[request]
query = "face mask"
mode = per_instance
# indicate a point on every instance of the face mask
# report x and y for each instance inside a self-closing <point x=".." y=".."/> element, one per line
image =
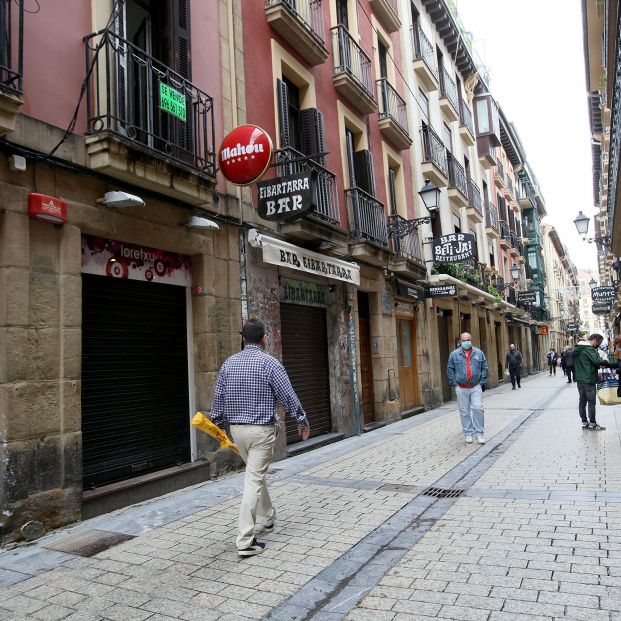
<point x="466" y="344"/>
<point x="512" y="348"/>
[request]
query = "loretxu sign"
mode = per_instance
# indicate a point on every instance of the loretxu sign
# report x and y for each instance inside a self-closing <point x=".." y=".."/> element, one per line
<point x="527" y="297"/>
<point x="288" y="198"/>
<point x="245" y="154"/>
<point x="440" y="291"/>
<point x="453" y="248"/>
<point x="603" y="294"/>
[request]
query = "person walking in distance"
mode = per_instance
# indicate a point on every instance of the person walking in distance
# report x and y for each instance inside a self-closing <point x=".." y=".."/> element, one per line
<point x="570" y="364"/>
<point x="249" y="387"/>
<point x="552" y="358"/>
<point x="513" y="364"/>
<point x="467" y="371"/>
<point x="588" y="362"/>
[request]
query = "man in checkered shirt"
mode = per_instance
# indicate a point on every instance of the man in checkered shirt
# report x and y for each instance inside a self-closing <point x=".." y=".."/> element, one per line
<point x="249" y="387"/>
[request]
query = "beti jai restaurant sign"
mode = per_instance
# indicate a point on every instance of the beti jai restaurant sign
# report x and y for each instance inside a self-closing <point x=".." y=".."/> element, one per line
<point x="283" y="254"/>
<point x="454" y="248"/>
<point x="603" y="294"/>
<point x="109" y="257"/>
<point x="245" y="154"/>
<point x="288" y="198"/>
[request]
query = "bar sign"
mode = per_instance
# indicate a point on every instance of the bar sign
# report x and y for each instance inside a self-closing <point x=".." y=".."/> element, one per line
<point x="172" y="101"/>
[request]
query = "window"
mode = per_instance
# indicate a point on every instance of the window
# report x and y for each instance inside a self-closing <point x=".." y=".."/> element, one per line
<point x="485" y="194"/>
<point x="424" y="105"/>
<point x="392" y="191"/>
<point x="492" y="255"/>
<point x="382" y="53"/>
<point x="448" y="138"/>
<point x="359" y="164"/>
<point x="342" y="16"/>
<point x="502" y="208"/>
<point x="457" y="224"/>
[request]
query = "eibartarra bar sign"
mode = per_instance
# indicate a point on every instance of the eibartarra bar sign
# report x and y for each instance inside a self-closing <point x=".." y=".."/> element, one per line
<point x="603" y="294"/>
<point x="454" y="248"/>
<point x="288" y="198"/>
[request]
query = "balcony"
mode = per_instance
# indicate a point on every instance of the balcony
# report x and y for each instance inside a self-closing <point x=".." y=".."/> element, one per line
<point x="466" y="125"/>
<point x="393" y="115"/>
<point x="368" y="231"/>
<point x="424" y="60"/>
<point x="517" y="246"/>
<point x="499" y="176"/>
<point x="11" y="63"/>
<point x="457" y="185"/>
<point x="509" y="189"/>
<point x="353" y="72"/>
<point x="505" y="235"/>
<point x="434" y="164"/>
<point x="388" y="12"/>
<point x="511" y="296"/>
<point x="475" y="204"/>
<point x="406" y="249"/>
<point x="527" y="198"/>
<point x="449" y="101"/>
<point x="301" y="24"/>
<point x="146" y="124"/>
<point x="324" y="223"/>
<point x="487" y="157"/>
<point x="491" y="221"/>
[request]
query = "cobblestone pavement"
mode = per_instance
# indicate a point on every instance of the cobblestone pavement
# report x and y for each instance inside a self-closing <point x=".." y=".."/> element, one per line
<point x="534" y="532"/>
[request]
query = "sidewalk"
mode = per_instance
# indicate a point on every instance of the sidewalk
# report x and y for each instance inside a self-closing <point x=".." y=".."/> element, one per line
<point x="531" y="530"/>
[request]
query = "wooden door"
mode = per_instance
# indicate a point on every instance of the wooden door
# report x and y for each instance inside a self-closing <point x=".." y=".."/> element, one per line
<point x="408" y="373"/>
<point x="443" y="338"/>
<point x="366" y="371"/>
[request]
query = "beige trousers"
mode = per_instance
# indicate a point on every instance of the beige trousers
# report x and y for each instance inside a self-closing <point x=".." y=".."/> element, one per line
<point x="256" y="447"/>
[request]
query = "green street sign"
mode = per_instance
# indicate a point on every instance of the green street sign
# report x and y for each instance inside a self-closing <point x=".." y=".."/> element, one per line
<point x="172" y="101"/>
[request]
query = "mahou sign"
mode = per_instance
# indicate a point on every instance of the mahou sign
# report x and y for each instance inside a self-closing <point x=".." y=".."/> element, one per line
<point x="453" y="248"/>
<point x="603" y="294"/>
<point x="245" y="154"/>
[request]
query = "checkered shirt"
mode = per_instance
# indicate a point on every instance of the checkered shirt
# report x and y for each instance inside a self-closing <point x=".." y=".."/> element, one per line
<point x="249" y="386"/>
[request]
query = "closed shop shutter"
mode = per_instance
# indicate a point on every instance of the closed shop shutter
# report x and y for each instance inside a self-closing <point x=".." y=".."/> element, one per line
<point x="305" y="357"/>
<point x="135" y="408"/>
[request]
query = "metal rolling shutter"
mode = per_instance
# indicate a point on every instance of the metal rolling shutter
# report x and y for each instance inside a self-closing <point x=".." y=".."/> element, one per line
<point x="305" y="357"/>
<point x="135" y="416"/>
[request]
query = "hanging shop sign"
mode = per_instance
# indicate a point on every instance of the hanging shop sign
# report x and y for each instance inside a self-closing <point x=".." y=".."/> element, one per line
<point x="527" y="297"/>
<point x="410" y="291"/>
<point x="454" y="248"/>
<point x="440" y="291"/>
<point x="601" y="308"/>
<point x="47" y="208"/>
<point x="109" y="257"/>
<point x="573" y="327"/>
<point x="173" y="102"/>
<point x="301" y="292"/>
<point x="543" y="330"/>
<point x="283" y="254"/>
<point x="603" y="294"/>
<point x="245" y="154"/>
<point x="288" y="198"/>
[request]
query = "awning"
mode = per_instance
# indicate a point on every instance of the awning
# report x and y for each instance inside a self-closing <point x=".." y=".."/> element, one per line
<point x="277" y="252"/>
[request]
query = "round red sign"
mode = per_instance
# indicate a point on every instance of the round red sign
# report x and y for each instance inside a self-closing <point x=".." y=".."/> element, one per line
<point x="245" y="154"/>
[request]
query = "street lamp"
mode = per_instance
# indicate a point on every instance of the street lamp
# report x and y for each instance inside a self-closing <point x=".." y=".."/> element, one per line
<point x="592" y="283"/>
<point x="582" y="226"/>
<point x="515" y="272"/>
<point x="400" y="227"/>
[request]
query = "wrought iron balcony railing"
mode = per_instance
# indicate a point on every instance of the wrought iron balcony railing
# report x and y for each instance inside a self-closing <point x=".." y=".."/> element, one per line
<point x="392" y="105"/>
<point x="423" y="50"/>
<point x="511" y="297"/>
<point x="474" y="197"/>
<point x="505" y="232"/>
<point x="448" y="89"/>
<point x="456" y="174"/>
<point x="500" y="170"/>
<point x="407" y="247"/>
<point x="136" y="97"/>
<point x="368" y="220"/>
<point x="517" y="243"/>
<point x="510" y="184"/>
<point x="465" y="117"/>
<point x="11" y="45"/>
<point x="308" y="12"/>
<point x="491" y="216"/>
<point x="350" y="58"/>
<point x="433" y="148"/>
<point x="327" y="208"/>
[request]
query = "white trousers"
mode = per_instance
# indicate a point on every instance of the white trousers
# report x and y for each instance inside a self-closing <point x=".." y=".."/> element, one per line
<point x="256" y="447"/>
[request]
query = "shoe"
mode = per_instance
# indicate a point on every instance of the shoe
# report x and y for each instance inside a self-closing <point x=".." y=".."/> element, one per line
<point x="256" y="547"/>
<point x="569" y="381"/>
<point x="596" y="427"/>
<point x="513" y="388"/>
<point x="585" y="425"/>
<point x="264" y="528"/>
<point x="469" y="439"/>
<point x="519" y="385"/>
<point x="480" y="439"/>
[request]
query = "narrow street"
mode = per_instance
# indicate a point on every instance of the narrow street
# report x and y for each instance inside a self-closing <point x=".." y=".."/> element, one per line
<point x="533" y="532"/>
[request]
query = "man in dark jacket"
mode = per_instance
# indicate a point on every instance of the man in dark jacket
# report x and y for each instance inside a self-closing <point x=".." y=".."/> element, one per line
<point x="513" y="364"/>
<point x="570" y="364"/>
<point x="588" y="362"/>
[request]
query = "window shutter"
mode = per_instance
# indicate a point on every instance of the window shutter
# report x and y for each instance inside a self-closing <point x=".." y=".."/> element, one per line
<point x="283" y="112"/>
<point x="392" y="187"/>
<point x="363" y="166"/>
<point x="313" y="141"/>
<point x="181" y="38"/>
<point x="121" y="69"/>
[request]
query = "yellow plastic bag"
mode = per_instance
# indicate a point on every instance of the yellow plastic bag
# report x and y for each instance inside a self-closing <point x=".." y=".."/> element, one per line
<point x="204" y="424"/>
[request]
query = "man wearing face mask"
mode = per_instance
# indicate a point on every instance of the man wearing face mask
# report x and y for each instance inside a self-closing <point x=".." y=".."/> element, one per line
<point x="467" y="371"/>
<point x="513" y="364"/>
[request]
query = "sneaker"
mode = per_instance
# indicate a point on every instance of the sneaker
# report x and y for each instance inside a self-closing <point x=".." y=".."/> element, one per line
<point x="469" y="439"/>
<point x="519" y="385"/>
<point x="585" y="425"/>
<point x="596" y="427"/>
<point x="513" y="388"/>
<point x="480" y="439"/>
<point x="264" y="528"/>
<point x="255" y="548"/>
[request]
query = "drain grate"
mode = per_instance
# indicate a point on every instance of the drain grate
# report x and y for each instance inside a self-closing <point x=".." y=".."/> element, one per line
<point x="438" y="492"/>
<point x="89" y="543"/>
<point x="396" y="487"/>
